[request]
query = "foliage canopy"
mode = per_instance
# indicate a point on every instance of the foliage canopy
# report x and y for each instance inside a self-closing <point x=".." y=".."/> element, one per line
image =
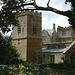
<point x="8" y="53"/>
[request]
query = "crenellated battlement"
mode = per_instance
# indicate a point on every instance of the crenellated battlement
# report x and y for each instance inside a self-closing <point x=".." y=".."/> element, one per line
<point x="63" y="28"/>
<point x="28" y="12"/>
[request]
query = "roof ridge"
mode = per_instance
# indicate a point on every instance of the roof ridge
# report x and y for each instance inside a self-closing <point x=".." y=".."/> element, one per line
<point x="69" y="47"/>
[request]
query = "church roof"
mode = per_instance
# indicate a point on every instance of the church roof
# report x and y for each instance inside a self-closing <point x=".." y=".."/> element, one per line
<point x="62" y="49"/>
<point x="49" y="31"/>
<point x="73" y="43"/>
<point x="52" y="50"/>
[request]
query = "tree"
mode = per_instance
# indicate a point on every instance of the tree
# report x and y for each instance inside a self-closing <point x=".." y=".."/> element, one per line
<point x="8" y="53"/>
<point x="11" y="7"/>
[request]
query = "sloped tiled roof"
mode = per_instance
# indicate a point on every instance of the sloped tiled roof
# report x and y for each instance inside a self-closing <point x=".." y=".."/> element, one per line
<point x="63" y="49"/>
<point x="69" y="47"/>
<point x="49" y="31"/>
<point x="52" y="50"/>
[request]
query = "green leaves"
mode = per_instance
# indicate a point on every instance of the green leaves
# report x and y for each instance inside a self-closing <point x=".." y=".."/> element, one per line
<point x="8" y="53"/>
<point x="7" y="13"/>
<point x="72" y="14"/>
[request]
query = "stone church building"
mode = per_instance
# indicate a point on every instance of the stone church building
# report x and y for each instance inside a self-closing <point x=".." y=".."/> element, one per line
<point x="27" y="36"/>
<point x="63" y="34"/>
<point x="57" y="44"/>
<point x="49" y="36"/>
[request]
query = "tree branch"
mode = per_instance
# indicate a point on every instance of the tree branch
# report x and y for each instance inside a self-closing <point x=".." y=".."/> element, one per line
<point x="25" y="4"/>
<point x="48" y="3"/>
<point x="53" y="10"/>
<point x="48" y="8"/>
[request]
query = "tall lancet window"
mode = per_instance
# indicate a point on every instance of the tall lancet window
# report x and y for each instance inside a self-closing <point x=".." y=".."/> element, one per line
<point x="19" y="29"/>
<point x="34" y="29"/>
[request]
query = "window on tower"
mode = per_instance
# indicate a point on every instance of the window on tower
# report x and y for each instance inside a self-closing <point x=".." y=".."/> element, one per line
<point x="22" y="29"/>
<point x="34" y="29"/>
<point x="63" y="33"/>
<point x="19" y="41"/>
<point x="19" y="29"/>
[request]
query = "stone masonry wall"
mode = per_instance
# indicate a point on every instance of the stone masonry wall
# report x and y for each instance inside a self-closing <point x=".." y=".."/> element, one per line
<point x="21" y="45"/>
<point x="33" y="45"/>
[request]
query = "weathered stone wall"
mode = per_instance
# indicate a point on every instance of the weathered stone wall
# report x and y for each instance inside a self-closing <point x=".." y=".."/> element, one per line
<point x="46" y="59"/>
<point x="65" y="34"/>
<point x="34" y="26"/>
<point x="58" y="57"/>
<point x="21" y="45"/>
<point x="27" y="36"/>
<point x="46" y="37"/>
<point x="22" y="18"/>
<point x="70" y="53"/>
<point x="33" y="45"/>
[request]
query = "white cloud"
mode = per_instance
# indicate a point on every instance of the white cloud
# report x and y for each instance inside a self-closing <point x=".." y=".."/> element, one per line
<point x="48" y="18"/>
<point x="42" y="2"/>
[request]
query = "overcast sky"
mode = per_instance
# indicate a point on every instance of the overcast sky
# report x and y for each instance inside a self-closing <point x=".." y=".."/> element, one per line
<point x="48" y="18"/>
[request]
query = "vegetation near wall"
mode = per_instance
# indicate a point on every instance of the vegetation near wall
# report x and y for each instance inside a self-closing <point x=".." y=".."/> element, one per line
<point x="8" y="52"/>
<point x="43" y="69"/>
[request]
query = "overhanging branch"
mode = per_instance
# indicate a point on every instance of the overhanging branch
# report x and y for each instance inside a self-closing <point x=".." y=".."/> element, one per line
<point x="64" y="13"/>
<point x="48" y="8"/>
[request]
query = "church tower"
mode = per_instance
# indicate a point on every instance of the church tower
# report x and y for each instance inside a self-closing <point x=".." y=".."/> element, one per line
<point x="27" y="36"/>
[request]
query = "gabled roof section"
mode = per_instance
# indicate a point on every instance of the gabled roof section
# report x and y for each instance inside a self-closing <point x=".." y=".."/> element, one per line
<point x="44" y="33"/>
<point x="53" y="50"/>
<point x="48" y="31"/>
<point x="70" y="46"/>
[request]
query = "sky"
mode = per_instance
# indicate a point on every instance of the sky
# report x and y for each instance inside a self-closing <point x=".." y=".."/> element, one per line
<point x="48" y="17"/>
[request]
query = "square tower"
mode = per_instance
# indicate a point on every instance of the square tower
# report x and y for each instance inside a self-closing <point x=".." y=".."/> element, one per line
<point x="27" y="37"/>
